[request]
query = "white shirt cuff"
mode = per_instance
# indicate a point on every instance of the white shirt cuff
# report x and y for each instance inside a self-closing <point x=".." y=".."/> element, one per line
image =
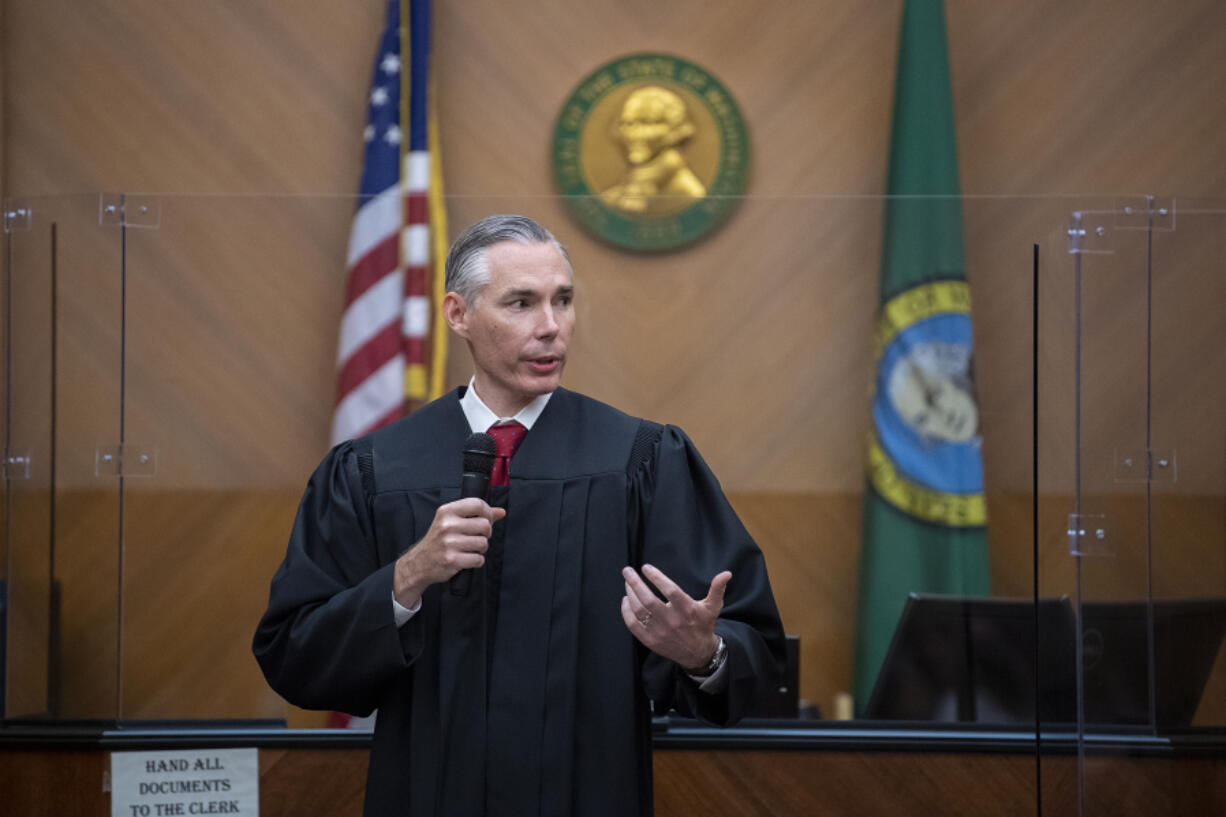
<point x="403" y="613"/>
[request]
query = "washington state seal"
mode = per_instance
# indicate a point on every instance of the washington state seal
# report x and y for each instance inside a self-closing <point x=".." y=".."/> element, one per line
<point x="651" y="152"/>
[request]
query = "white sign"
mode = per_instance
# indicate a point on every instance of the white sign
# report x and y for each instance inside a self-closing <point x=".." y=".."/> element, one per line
<point x="185" y="784"/>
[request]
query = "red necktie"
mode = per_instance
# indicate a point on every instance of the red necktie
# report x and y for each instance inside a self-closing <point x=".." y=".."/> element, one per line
<point x="508" y="436"/>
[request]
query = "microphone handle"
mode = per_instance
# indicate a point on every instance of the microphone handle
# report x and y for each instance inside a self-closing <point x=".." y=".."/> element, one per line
<point x="472" y="484"/>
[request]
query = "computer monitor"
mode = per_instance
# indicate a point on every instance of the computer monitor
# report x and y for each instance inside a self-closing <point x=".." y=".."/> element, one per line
<point x="1116" y="652"/>
<point x="784" y="700"/>
<point x="955" y="658"/>
<point x="973" y="660"/>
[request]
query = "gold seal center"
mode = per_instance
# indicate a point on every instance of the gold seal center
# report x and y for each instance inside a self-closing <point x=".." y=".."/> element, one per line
<point x="650" y="150"/>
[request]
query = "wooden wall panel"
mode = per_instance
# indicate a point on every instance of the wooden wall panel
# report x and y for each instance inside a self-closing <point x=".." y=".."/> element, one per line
<point x="775" y="784"/>
<point x="813" y="566"/>
<point x="88" y="570"/>
<point x="187" y="629"/>
<point x="759" y="783"/>
<point x="186" y="97"/>
<point x="162" y="97"/>
<point x="46" y="783"/>
<point x="760" y="332"/>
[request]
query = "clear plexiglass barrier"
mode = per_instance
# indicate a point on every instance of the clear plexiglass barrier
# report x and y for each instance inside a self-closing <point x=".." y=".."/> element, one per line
<point x="980" y="441"/>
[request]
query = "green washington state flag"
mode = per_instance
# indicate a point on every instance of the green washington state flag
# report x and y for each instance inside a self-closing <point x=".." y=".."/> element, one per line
<point x="924" y="512"/>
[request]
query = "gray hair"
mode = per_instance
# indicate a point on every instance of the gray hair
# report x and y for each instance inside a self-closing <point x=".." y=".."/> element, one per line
<point x="468" y="271"/>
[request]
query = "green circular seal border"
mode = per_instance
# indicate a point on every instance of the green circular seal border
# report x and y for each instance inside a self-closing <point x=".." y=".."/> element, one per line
<point x="643" y="233"/>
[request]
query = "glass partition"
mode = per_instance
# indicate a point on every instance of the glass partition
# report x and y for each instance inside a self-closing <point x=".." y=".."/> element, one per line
<point x="1133" y="326"/>
<point x="63" y="533"/>
<point x="171" y="374"/>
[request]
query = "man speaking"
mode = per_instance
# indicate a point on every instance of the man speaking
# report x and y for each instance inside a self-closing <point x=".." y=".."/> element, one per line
<point x="513" y="646"/>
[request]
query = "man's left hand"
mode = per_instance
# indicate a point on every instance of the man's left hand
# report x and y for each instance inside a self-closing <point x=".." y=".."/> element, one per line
<point x="678" y="628"/>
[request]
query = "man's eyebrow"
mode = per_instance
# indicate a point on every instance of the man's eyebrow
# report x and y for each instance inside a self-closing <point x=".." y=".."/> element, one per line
<point x="532" y="293"/>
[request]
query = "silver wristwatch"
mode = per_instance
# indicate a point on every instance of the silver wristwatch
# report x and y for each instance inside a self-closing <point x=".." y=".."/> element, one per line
<point x="717" y="661"/>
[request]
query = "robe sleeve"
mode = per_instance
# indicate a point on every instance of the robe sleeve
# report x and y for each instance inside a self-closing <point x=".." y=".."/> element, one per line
<point x="328" y="639"/>
<point x="682" y="523"/>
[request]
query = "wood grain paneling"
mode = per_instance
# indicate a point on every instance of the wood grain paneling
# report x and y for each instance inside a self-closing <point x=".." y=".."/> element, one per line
<point x="195" y="582"/>
<point x="236" y="114"/>
<point x="197" y="563"/>
<point x="288" y="777"/>
<point x="760" y="783"/>
<point x="776" y="784"/>
<point x="46" y="783"/>
<point x="812" y="554"/>
<point x="182" y="96"/>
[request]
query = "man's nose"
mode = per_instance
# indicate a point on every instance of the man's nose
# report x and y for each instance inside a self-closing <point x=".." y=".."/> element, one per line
<point x="547" y="324"/>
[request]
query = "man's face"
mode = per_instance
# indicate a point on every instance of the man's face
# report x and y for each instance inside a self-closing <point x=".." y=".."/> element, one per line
<point x="520" y="325"/>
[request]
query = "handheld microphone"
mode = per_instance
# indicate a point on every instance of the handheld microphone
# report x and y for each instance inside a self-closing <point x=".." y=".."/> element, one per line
<point x="478" y="460"/>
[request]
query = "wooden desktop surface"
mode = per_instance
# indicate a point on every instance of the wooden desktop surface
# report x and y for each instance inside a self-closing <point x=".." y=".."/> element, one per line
<point x="941" y="775"/>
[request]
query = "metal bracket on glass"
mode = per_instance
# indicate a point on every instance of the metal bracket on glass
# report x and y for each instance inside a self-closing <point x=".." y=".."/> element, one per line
<point x="1089" y="232"/>
<point x="128" y="210"/>
<point x="1146" y="213"/>
<point x="16" y="465"/>
<point x="16" y="216"/>
<point x="1088" y="535"/>
<point x="1141" y="465"/>
<point x="126" y="460"/>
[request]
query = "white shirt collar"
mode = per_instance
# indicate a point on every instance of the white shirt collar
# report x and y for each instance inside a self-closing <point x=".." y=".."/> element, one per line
<point x="480" y="417"/>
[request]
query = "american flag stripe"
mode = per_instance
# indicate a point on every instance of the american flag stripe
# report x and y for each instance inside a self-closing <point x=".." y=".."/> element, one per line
<point x="416" y="320"/>
<point x="373" y="400"/>
<point x="391" y="416"/>
<point x="417" y="171"/>
<point x="389" y="349"/>
<point x="369" y="314"/>
<point x="372" y="267"/>
<point x="369" y="357"/>
<point x="418" y="206"/>
<point x="376" y="217"/>
<point x="415" y="245"/>
<point x="418" y="182"/>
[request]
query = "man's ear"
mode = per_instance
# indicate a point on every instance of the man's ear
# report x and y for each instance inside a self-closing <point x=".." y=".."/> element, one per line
<point x="455" y="312"/>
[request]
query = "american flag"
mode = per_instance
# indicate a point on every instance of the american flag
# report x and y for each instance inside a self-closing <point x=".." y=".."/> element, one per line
<point x="391" y="349"/>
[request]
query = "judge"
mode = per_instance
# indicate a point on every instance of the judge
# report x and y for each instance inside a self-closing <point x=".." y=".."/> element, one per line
<point x="606" y="575"/>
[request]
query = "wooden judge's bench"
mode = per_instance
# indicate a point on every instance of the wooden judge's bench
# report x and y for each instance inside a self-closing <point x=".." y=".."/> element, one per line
<point x="767" y="767"/>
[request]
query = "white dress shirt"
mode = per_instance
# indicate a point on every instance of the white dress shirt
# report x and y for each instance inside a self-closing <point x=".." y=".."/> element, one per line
<point x="480" y="418"/>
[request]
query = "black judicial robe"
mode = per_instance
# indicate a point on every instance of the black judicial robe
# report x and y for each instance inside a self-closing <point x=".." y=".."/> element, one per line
<point x="555" y="718"/>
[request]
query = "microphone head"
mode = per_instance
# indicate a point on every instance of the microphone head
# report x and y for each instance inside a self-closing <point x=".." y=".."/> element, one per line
<point x="479" y="452"/>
